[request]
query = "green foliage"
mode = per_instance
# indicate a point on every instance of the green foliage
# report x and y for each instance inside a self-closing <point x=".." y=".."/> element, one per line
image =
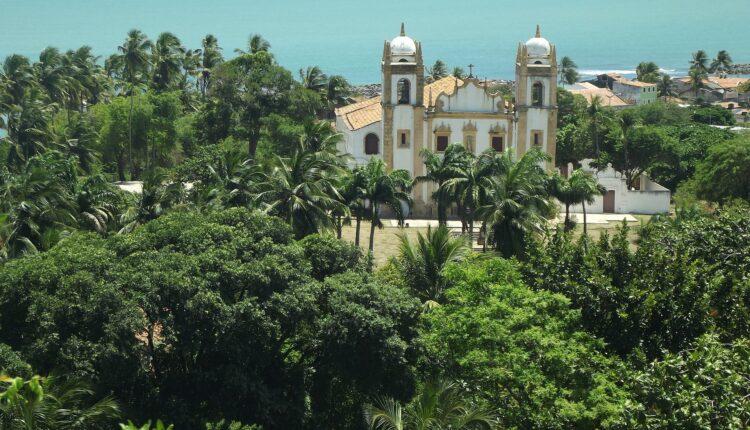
<point x="713" y="115"/>
<point x="52" y="403"/>
<point x="146" y="426"/>
<point x="703" y="387"/>
<point x="12" y="364"/>
<point x="329" y="256"/>
<point x="521" y="351"/>
<point x="233" y="425"/>
<point x="220" y="301"/>
<point x="422" y="263"/>
<point x="725" y="172"/>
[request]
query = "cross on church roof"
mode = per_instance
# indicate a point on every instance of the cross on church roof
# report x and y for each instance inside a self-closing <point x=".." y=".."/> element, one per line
<point x="471" y="70"/>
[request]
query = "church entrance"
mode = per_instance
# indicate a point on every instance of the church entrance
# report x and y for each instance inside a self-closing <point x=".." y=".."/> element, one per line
<point x="609" y="202"/>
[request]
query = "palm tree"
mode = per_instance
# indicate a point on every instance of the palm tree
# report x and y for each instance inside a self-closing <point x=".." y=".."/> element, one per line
<point x="458" y="72"/>
<point x="256" y="43"/>
<point x="700" y="61"/>
<point x="516" y="204"/>
<point x="338" y="93"/>
<point x="697" y="78"/>
<point x="353" y="196"/>
<point x="301" y="188"/>
<point x="647" y="71"/>
<point x="159" y="194"/>
<point x="35" y="204"/>
<point x="147" y="426"/>
<point x="52" y="403"/>
<point x="441" y="168"/>
<point x="383" y="188"/>
<point x="586" y="187"/>
<point x="166" y="60"/>
<point x="722" y="62"/>
<point x="665" y="86"/>
<point x="438" y="405"/>
<point x="469" y="185"/>
<point x="211" y="57"/>
<point x="437" y="71"/>
<point x="594" y="114"/>
<point x="568" y="71"/>
<point x="96" y="203"/>
<point x="559" y="188"/>
<point x="422" y="263"/>
<point x="52" y="76"/>
<point x="133" y="59"/>
<point x="313" y="78"/>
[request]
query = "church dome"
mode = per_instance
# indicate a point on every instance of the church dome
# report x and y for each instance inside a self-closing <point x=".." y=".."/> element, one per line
<point x="538" y="46"/>
<point x="403" y="44"/>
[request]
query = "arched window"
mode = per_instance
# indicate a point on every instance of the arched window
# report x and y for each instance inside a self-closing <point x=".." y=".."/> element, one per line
<point x="372" y="144"/>
<point x="404" y="92"/>
<point x="537" y="94"/>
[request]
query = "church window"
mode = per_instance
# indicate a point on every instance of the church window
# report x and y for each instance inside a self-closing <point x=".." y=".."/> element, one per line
<point x="537" y="94"/>
<point x="537" y="138"/>
<point x="497" y="143"/>
<point x="403" y="138"/>
<point x="404" y="92"/>
<point x="442" y="142"/>
<point x="372" y="144"/>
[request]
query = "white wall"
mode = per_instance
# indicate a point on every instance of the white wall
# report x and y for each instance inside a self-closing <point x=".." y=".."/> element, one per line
<point x="353" y="142"/>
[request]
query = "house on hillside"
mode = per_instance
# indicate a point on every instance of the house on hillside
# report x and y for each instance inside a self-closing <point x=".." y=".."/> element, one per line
<point x="636" y="92"/>
<point x="647" y="197"/>
<point x="715" y="89"/>
<point x="606" y="96"/>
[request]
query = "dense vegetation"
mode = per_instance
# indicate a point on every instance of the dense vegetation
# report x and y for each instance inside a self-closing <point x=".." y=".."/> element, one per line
<point x="221" y="297"/>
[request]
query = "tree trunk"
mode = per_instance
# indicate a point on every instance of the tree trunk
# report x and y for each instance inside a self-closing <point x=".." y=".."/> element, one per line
<point x="356" y="234"/>
<point x="339" y="227"/>
<point x="471" y="228"/>
<point x="567" y="216"/>
<point x="585" y="231"/>
<point x="121" y="167"/>
<point x="484" y="236"/>
<point x="372" y="229"/>
<point x="130" y="133"/>
<point x="442" y="217"/>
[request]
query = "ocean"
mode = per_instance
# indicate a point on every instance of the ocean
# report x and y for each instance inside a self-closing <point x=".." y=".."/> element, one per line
<point x="346" y="36"/>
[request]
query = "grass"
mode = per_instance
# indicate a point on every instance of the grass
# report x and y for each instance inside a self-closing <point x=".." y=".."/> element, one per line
<point x="387" y="239"/>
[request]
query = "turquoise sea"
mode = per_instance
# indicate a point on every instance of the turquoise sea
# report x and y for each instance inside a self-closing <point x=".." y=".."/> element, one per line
<point x="346" y="36"/>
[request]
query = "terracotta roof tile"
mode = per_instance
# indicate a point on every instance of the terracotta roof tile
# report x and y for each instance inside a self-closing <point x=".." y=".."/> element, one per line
<point x="607" y="97"/>
<point x="366" y="112"/>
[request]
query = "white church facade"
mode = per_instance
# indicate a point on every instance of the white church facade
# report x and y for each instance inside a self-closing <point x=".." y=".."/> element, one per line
<point x="411" y="114"/>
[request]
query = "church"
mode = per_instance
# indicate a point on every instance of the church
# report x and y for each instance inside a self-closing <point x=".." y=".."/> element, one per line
<point x="411" y="114"/>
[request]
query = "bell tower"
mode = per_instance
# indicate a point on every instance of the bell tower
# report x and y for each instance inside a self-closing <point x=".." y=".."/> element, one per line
<point x="402" y="103"/>
<point x="536" y="96"/>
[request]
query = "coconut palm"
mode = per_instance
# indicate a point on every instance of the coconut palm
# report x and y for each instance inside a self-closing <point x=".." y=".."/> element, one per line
<point x="647" y="71"/>
<point x="53" y="403"/>
<point x="722" y="62"/>
<point x="697" y="78"/>
<point x="232" y="181"/>
<point x="160" y="193"/>
<point x="301" y="188"/>
<point x="586" y="187"/>
<point x="438" y="405"/>
<point x="52" y="76"/>
<point x="422" y="262"/>
<point x="568" y="71"/>
<point x="437" y="71"/>
<point x="338" y="93"/>
<point x="665" y="86"/>
<point x="516" y="203"/>
<point x="699" y="61"/>
<point x="441" y="168"/>
<point x="458" y="72"/>
<point x="559" y="188"/>
<point x="255" y="43"/>
<point x="313" y="79"/>
<point x="594" y="113"/>
<point x="35" y="204"/>
<point x="166" y="60"/>
<point x="353" y="192"/>
<point x="159" y="425"/>
<point x="96" y="201"/>
<point x="211" y="57"/>
<point x="134" y="62"/>
<point x="383" y="188"/>
<point x="470" y="182"/>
